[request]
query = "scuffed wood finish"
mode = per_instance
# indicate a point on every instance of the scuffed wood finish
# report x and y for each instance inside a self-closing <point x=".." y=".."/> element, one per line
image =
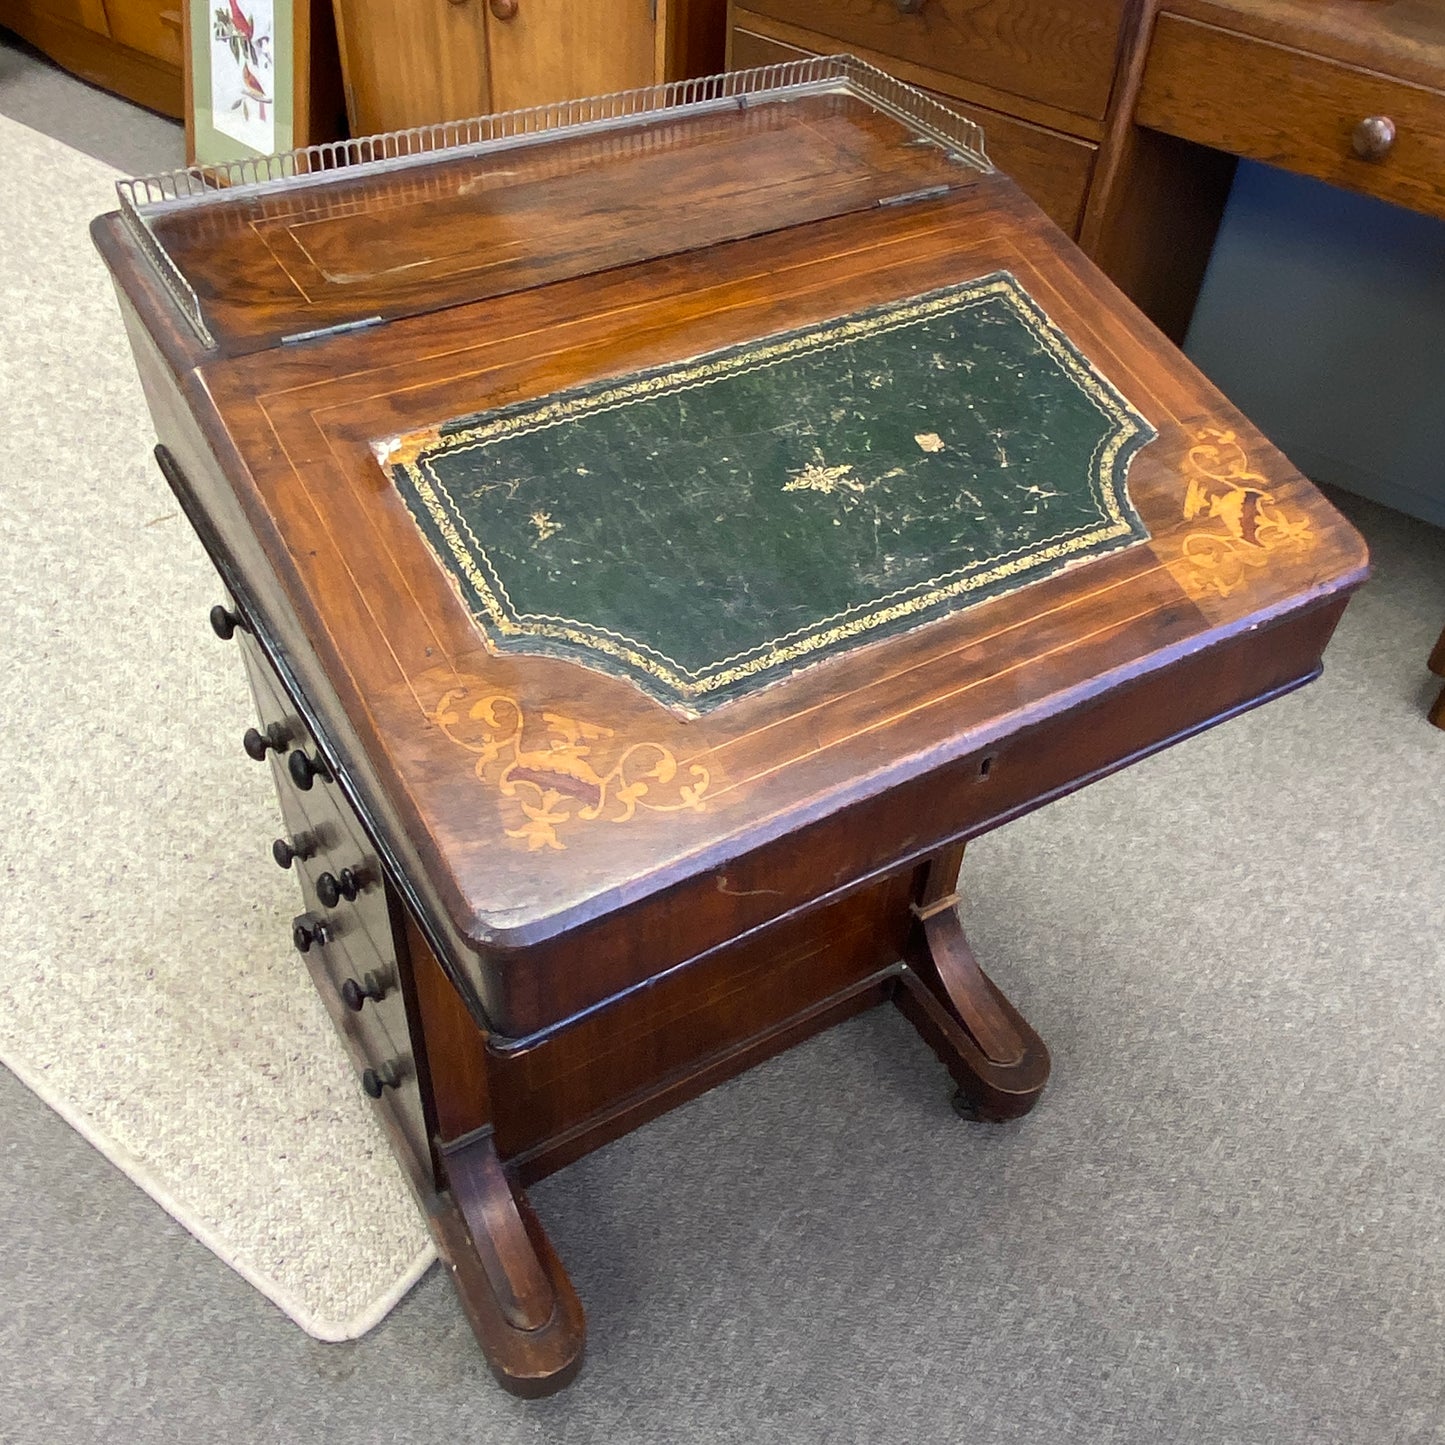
<point x="340" y="251"/>
<point x="565" y="973"/>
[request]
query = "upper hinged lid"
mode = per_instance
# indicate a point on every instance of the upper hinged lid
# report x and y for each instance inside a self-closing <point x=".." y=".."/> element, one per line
<point x="280" y="249"/>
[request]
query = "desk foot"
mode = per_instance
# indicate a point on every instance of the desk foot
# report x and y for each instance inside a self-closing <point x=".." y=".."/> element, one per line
<point x="998" y="1062"/>
<point x="522" y="1307"/>
<point x="1437" y="666"/>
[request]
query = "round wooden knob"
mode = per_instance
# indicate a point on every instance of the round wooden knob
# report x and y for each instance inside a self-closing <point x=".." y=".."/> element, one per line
<point x="258" y="744"/>
<point x="305" y="770"/>
<point x="331" y="890"/>
<point x="354" y="993"/>
<point x="1373" y="137"/>
<point x="909" y="7"/>
<point x="287" y="850"/>
<point x="374" y="1081"/>
<point x="307" y="934"/>
<point x="224" y="622"/>
<point x="504" y="9"/>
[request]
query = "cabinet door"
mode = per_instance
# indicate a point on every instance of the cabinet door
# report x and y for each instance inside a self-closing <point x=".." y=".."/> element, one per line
<point x="412" y="62"/>
<point x="545" y="50"/>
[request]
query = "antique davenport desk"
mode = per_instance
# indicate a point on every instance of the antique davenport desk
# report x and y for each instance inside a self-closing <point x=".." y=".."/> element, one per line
<point x="660" y="532"/>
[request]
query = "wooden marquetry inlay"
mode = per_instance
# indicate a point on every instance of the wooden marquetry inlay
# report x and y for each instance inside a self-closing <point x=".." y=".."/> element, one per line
<point x="1250" y="524"/>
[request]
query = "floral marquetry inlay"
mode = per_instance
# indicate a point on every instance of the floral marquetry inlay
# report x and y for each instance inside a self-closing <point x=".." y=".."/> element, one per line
<point x="1248" y="525"/>
<point x="556" y="773"/>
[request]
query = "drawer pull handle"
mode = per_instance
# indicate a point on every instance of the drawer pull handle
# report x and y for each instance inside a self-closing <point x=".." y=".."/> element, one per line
<point x="287" y="850"/>
<point x="258" y="744"/>
<point x="305" y="770"/>
<point x="909" y="7"/>
<point x="504" y="9"/>
<point x="307" y="933"/>
<point x="224" y="622"/>
<point x="1373" y="137"/>
<point x="375" y="1081"/>
<point x="331" y="890"/>
<point x="373" y="986"/>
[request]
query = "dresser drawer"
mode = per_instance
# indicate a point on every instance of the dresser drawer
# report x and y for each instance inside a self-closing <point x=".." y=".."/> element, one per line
<point x="1057" y="52"/>
<point x="1274" y="104"/>
<point x="1052" y="169"/>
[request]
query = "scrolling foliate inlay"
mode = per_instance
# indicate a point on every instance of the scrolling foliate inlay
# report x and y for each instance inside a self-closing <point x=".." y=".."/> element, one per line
<point x="555" y="773"/>
<point x="1251" y="525"/>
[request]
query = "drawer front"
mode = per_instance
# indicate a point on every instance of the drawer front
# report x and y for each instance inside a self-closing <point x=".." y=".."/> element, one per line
<point x="358" y="944"/>
<point x="1058" y="52"/>
<point x="1282" y="106"/>
<point x="1052" y="169"/>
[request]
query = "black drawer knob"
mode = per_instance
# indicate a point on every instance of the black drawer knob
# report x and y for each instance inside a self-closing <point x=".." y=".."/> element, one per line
<point x="258" y="744"/>
<point x="331" y="889"/>
<point x="372" y="986"/>
<point x="307" y="933"/>
<point x="287" y="850"/>
<point x="224" y="622"/>
<point x="375" y="1081"/>
<point x="305" y="769"/>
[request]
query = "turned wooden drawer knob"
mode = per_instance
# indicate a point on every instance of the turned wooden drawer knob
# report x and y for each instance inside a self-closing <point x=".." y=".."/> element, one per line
<point x="909" y="7"/>
<point x="224" y="622"/>
<point x="307" y="933"/>
<point x="305" y="770"/>
<point x="287" y="850"/>
<point x="1373" y="137"/>
<point x="386" y="1076"/>
<point x="257" y="744"/>
<point x="372" y="986"/>
<point x="331" y="890"/>
<point x="504" y="9"/>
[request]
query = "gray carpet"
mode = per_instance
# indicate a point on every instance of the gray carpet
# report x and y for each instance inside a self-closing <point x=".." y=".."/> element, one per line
<point x="1225" y="1222"/>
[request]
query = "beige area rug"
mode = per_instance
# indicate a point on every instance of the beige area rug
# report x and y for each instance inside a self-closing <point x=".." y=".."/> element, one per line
<point x="148" y="991"/>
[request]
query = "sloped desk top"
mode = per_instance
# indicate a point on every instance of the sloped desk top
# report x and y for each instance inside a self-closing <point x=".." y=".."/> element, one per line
<point x="530" y="789"/>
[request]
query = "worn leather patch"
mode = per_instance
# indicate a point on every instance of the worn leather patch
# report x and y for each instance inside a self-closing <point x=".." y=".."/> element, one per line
<point x="706" y="528"/>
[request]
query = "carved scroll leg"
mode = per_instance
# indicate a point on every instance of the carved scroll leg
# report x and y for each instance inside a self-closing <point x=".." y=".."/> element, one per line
<point x="998" y="1062"/>
<point x="522" y="1307"/>
<point x="1437" y="666"/>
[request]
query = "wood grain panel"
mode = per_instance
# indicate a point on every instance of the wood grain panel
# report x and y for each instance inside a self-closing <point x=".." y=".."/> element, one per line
<point x="1059" y="52"/>
<point x="1272" y="103"/>
<point x="1053" y="169"/>
<point x="558" y="50"/>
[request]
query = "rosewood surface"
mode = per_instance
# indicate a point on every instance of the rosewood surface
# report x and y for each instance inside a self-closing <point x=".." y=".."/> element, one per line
<point x="522" y="974"/>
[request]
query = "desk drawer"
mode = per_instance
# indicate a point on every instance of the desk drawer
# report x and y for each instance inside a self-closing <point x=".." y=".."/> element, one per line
<point x="1281" y="106"/>
<point x="1053" y="169"/>
<point x="1057" y="52"/>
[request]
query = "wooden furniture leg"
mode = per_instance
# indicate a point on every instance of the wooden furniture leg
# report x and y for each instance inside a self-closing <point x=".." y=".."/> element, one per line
<point x="1436" y="665"/>
<point x="522" y="1307"/>
<point x="998" y="1062"/>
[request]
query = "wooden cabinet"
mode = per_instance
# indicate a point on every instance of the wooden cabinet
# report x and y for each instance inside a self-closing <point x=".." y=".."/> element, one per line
<point x="408" y="64"/>
<point x="1037" y="75"/>
<point x="1345" y="124"/>
<point x="131" y="47"/>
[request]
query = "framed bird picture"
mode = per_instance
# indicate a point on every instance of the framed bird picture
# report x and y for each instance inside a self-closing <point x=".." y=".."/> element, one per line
<point x="262" y="76"/>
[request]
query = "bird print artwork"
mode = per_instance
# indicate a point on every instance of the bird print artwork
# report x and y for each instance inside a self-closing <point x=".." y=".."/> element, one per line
<point x="243" y="68"/>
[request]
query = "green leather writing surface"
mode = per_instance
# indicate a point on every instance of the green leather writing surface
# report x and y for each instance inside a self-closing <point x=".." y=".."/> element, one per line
<point x="705" y="528"/>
